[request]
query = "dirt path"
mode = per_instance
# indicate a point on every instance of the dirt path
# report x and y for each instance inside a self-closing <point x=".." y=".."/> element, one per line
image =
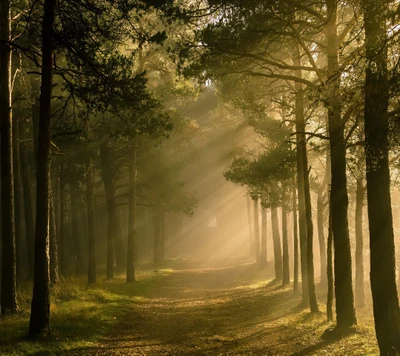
<point x="216" y="311"/>
<point x="204" y="311"/>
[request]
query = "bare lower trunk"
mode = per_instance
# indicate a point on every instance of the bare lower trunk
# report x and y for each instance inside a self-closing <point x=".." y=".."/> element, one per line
<point x="329" y="302"/>
<point x="54" y="268"/>
<point x="360" y="297"/>
<point x="277" y="245"/>
<point x="76" y="233"/>
<point x="263" y="237"/>
<point x="285" y="248"/>
<point x="132" y="242"/>
<point x="256" y="231"/>
<point x="91" y="221"/>
<point x="321" y="236"/>
<point x="295" y="242"/>
<point x="250" y="224"/>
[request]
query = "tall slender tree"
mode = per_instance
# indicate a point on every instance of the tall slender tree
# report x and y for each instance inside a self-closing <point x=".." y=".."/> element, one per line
<point x="8" y="301"/>
<point x="382" y="256"/>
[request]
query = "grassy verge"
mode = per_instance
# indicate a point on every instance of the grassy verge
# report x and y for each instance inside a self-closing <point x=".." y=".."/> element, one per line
<point x="80" y="314"/>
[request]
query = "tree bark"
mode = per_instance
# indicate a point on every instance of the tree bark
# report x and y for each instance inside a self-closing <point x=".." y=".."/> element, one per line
<point x="301" y="153"/>
<point x="76" y="234"/>
<point x="17" y="198"/>
<point x="329" y="267"/>
<point x="383" y="264"/>
<point x="112" y="215"/>
<point x="40" y="309"/>
<point x="8" y="298"/>
<point x="345" y="311"/>
<point x="158" y="236"/>
<point x="263" y="237"/>
<point x="249" y="221"/>
<point x="321" y="235"/>
<point x="54" y="268"/>
<point x="277" y="245"/>
<point x="256" y="231"/>
<point x="360" y="297"/>
<point x="132" y="242"/>
<point x="28" y="209"/>
<point x="285" y="248"/>
<point x="91" y="221"/>
<point x="295" y="241"/>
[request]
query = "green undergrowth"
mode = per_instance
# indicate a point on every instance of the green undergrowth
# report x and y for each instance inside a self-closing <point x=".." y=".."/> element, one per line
<point x="80" y="314"/>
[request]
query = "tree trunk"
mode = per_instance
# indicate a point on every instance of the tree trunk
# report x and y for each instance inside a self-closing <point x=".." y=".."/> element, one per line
<point x="251" y="232"/>
<point x="329" y="302"/>
<point x="301" y="153"/>
<point x="63" y="224"/>
<point x="345" y="311"/>
<point x="277" y="244"/>
<point x="76" y="234"/>
<point x="256" y="231"/>
<point x="54" y="268"/>
<point x="285" y="248"/>
<point x="295" y="241"/>
<point x="17" y="197"/>
<point x="91" y="221"/>
<point x="158" y="236"/>
<point x="40" y="309"/>
<point x="28" y="209"/>
<point x="321" y="236"/>
<point x="8" y="303"/>
<point x="132" y="242"/>
<point x="360" y="298"/>
<point x="263" y="237"/>
<point x="57" y="212"/>
<point x="112" y="215"/>
<point x="119" y="243"/>
<point x="383" y="265"/>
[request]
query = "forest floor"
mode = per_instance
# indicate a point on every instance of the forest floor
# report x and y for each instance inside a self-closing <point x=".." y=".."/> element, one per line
<point x="188" y="308"/>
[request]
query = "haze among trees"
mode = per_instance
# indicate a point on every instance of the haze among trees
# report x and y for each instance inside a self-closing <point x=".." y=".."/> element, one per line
<point x="199" y="177"/>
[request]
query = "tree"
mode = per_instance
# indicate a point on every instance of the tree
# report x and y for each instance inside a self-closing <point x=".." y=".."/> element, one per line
<point x="40" y="308"/>
<point x="8" y="302"/>
<point x="376" y="89"/>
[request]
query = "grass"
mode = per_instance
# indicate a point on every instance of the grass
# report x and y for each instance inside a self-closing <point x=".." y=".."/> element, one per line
<point x="80" y="314"/>
<point x="184" y="308"/>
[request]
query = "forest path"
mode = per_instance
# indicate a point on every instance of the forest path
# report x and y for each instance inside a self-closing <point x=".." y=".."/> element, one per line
<point x="229" y="310"/>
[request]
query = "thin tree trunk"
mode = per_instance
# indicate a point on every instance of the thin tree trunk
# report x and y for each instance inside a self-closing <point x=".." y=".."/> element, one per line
<point x="28" y="209"/>
<point x="54" y="268"/>
<point x="57" y="212"/>
<point x="250" y="224"/>
<point x="132" y="241"/>
<point x="112" y="216"/>
<point x="345" y="312"/>
<point x="17" y="197"/>
<point x="277" y="244"/>
<point x="329" y="302"/>
<point x="383" y="264"/>
<point x="301" y="153"/>
<point x="40" y="309"/>
<point x="263" y="237"/>
<point x="295" y="241"/>
<point x="256" y="231"/>
<point x="63" y="224"/>
<point x="158" y="236"/>
<point x="76" y="234"/>
<point x="91" y="221"/>
<point x="8" y="303"/>
<point x="321" y="236"/>
<point x="285" y="248"/>
<point x="360" y="297"/>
